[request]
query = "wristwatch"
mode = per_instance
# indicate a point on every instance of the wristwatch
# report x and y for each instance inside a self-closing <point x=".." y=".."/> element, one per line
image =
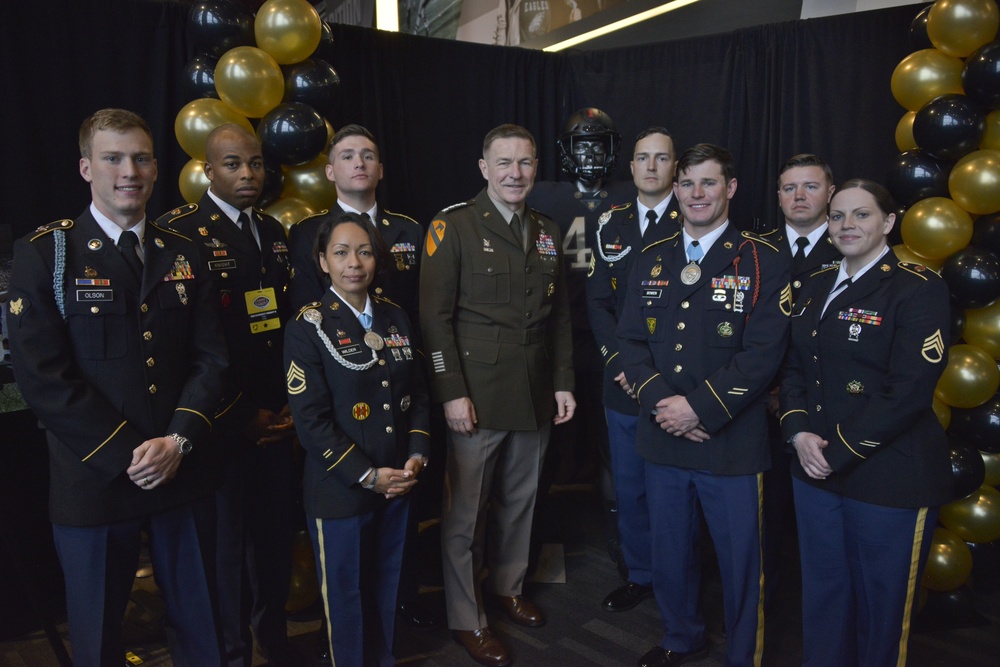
<point x="184" y="445"/>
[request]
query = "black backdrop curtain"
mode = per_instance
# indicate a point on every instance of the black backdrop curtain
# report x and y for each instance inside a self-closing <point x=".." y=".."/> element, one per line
<point x="819" y="85"/>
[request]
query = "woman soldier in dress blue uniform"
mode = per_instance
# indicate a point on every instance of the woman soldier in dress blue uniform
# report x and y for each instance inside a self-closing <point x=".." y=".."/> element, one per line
<point x="359" y="399"/>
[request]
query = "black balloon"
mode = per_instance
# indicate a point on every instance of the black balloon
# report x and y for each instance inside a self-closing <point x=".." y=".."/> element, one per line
<point x="199" y="77"/>
<point x="274" y="183"/>
<point x="957" y="322"/>
<point x="292" y="133"/>
<point x="313" y="82"/>
<point x="973" y="277"/>
<point x="985" y="565"/>
<point x="978" y="427"/>
<point x="918" y="30"/>
<point x="916" y="175"/>
<point x="216" y="26"/>
<point x="986" y="233"/>
<point x="949" y="126"/>
<point x="325" y="50"/>
<point x="967" y="469"/>
<point x="981" y="76"/>
<point x="949" y="610"/>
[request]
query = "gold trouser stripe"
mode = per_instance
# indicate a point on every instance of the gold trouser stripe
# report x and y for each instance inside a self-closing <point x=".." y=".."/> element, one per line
<point x="911" y="584"/>
<point x="207" y="420"/>
<point x="321" y="547"/>
<point x="758" y="653"/>
<point x="712" y="389"/>
<point x="113" y="434"/>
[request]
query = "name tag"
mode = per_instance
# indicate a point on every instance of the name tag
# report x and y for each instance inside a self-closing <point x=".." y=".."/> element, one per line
<point x="349" y="350"/>
<point x="95" y="295"/>
<point x="222" y="264"/>
<point x="651" y="293"/>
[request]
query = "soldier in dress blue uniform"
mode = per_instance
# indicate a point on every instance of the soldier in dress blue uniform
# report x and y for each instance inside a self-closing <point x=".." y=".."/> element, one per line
<point x="245" y="253"/>
<point x="358" y="395"/>
<point x="621" y="235"/>
<point x="118" y="350"/>
<point x="356" y="169"/>
<point x="702" y="335"/>
<point x="872" y="464"/>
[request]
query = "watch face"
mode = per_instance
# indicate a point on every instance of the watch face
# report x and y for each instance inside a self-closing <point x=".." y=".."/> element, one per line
<point x="186" y="447"/>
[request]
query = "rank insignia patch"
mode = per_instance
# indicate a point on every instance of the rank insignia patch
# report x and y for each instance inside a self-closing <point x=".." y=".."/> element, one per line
<point x="295" y="379"/>
<point x="785" y="301"/>
<point x="16" y="306"/>
<point x="933" y="348"/>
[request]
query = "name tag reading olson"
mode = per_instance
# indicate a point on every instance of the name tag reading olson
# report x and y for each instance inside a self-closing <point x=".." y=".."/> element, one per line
<point x="262" y="307"/>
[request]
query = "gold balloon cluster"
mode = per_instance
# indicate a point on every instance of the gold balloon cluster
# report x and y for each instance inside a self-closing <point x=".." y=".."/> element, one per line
<point x="250" y="83"/>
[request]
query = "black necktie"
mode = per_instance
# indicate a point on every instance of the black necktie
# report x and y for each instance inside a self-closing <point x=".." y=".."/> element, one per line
<point x="247" y="228"/>
<point x="799" y="255"/>
<point x="650" y="221"/>
<point x="126" y="244"/>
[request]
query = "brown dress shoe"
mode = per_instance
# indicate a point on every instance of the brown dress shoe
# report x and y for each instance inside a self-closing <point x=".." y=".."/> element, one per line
<point x="521" y="611"/>
<point x="483" y="646"/>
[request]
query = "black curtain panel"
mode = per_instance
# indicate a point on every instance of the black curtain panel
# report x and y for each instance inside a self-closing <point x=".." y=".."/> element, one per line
<point x="819" y="85"/>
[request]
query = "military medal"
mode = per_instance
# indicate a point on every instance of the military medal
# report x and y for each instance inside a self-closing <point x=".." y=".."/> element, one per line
<point x="90" y="272"/>
<point x="374" y="341"/>
<point x="855" y="331"/>
<point x="738" y="302"/>
<point x="855" y="387"/>
<point x="656" y="271"/>
<point x="691" y="274"/>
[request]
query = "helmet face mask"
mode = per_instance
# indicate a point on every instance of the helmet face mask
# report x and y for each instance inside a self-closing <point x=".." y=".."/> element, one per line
<point x="588" y="148"/>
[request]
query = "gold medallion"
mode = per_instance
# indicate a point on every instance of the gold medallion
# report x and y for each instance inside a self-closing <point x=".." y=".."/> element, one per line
<point x="374" y="341"/>
<point x="656" y="271"/>
<point x="691" y="274"/>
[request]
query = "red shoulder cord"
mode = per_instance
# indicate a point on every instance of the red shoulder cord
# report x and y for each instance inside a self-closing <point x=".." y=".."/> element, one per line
<point x="756" y="273"/>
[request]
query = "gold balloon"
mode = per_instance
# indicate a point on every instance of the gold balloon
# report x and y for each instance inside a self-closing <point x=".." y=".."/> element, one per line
<point x="289" y="30"/>
<point x="982" y="329"/>
<point x="936" y="227"/>
<point x="923" y="75"/>
<point x="289" y="210"/>
<point x="249" y="80"/>
<point x="904" y="132"/>
<point x="198" y="118"/>
<point x="991" y="137"/>
<point x="309" y="182"/>
<point x="949" y="562"/>
<point x="975" y="518"/>
<point x="904" y="254"/>
<point x="959" y="27"/>
<point x="942" y="411"/>
<point x="193" y="182"/>
<point x="304" y="589"/>
<point x="974" y="182"/>
<point x="970" y="379"/>
<point x="329" y="135"/>
<point x="992" y="462"/>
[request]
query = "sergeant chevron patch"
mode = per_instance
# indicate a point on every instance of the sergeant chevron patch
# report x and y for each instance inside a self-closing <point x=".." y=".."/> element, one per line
<point x="933" y="349"/>
<point x="295" y="379"/>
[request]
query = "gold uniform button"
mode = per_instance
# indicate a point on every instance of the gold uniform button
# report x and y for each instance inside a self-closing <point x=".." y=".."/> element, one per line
<point x="270" y="343"/>
<point x="386" y="406"/>
<point x="152" y="389"/>
<point x="678" y="347"/>
<point x="95" y="310"/>
<point x="819" y="408"/>
<point x="680" y="326"/>
<point x="385" y="383"/>
<point x="685" y="305"/>
<point x="381" y="362"/>
<point x="225" y="274"/>
<point x="144" y="308"/>
<point x="263" y="269"/>
<point x="817" y="383"/>
<point x="388" y="429"/>
<point x="147" y="335"/>
<point x="678" y="368"/>
<point x="797" y="284"/>
<point x="815" y="358"/>
<point x="729" y="306"/>
<point x="150" y="362"/>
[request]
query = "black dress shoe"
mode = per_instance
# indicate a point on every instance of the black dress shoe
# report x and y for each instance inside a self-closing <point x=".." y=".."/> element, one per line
<point x="626" y="597"/>
<point x="417" y="615"/>
<point x="483" y="647"/>
<point x="661" y="657"/>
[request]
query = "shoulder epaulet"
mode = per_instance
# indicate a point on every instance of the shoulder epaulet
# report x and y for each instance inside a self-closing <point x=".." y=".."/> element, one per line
<point x="834" y="267"/>
<point x="757" y="237"/>
<point x="314" y="215"/>
<point x="918" y="270"/>
<point x="176" y="214"/>
<point x="309" y="306"/>
<point x="51" y="227"/>
<point x="166" y="230"/>
<point x="382" y="299"/>
<point x="656" y="243"/>
<point x="773" y="231"/>
<point x="460" y="204"/>
<point x="400" y="215"/>
<point x="621" y="207"/>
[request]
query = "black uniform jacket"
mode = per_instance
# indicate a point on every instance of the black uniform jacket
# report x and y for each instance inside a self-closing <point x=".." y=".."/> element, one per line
<point x="862" y="377"/>
<point x="617" y="247"/>
<point x="128" y="363"/>
<point x="718" y="342"/>
<point x="822" y="256"/>
<point x="255" y="379"/>
<point x="495" y="317"/>
<point x="399" y="283"/>
<point x="349" y="420"/>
